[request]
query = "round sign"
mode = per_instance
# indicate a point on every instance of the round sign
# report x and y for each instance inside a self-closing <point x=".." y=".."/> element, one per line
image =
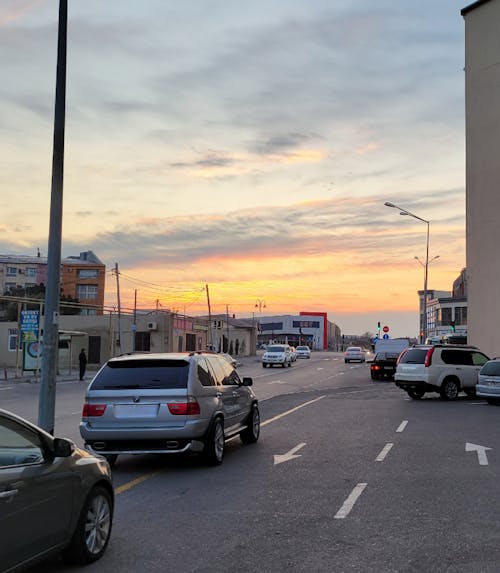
<point x="385" y="329"/>
<point x="385" y="336"/>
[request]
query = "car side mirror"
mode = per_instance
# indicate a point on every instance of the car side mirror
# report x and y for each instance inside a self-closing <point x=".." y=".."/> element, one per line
<point x="247" y="381"/>
<point x="62" y="447"/>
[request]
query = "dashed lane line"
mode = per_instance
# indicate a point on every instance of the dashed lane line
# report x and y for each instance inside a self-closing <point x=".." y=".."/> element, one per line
<point x="348" y="504"/>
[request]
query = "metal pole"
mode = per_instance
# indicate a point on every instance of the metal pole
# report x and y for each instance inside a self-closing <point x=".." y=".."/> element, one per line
<point x="426" y="274"/>
<point x="46" y="406"/>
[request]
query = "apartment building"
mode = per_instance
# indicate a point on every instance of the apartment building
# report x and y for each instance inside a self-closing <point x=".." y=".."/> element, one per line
<point x="82" y="277"/>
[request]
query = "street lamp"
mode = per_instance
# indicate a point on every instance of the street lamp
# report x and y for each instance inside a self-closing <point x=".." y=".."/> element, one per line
<point x="260" y="304"/>
<point x="426" y="265"/>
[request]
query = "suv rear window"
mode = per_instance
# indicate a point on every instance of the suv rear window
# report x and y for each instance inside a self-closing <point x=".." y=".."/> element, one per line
<point x="414" y="356"/>
<point x="491" y="369"/>
<point x="142" y="374"/>
<point x="275" y="349"/>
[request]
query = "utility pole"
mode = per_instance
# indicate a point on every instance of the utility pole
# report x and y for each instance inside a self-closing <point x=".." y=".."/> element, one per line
<point x="47" y="398"/>
<point x="134" y="325"/>
<point x="210" y="339"/>
<point x="119" y="337"/>
<point x="227" y="326"/>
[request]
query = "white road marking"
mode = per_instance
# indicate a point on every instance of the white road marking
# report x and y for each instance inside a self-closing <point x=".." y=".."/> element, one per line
<point x="402" y="426"/>
<point x="291" y="411"/>
<point x="481" y="452"/>
<point x="277" y="382"/>
<point x="290" y="455"/>
<point x="350" y="501"/>
<point x="7" y="388"/>
<point x="386" y="449"/>
<point x="320" y="368"/>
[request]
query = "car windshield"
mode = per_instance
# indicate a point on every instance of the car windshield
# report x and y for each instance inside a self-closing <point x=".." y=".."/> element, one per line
<point x="142" y="374"/>
<point x="414" y="356"/>
<point x="354" y="349"/>
<point x="491" y="369"/>
<point x="276" y="349"/>
<point x="302" y="347"/>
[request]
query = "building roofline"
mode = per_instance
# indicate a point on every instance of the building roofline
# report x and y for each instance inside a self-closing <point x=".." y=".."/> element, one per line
<point x="473" y="6"/>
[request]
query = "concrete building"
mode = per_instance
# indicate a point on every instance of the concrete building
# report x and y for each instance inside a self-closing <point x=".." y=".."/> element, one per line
<point x="83" y="277"/>
<point x="482" y="119"/>
<point x="310" y="329"/>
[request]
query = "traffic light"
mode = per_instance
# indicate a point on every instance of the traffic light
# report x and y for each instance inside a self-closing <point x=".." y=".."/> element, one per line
<point x="378" y="329"/>
<point x="452" y="326"/>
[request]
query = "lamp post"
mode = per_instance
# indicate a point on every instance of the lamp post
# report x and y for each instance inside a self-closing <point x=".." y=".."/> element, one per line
<point x="260" y="304"/>
<point x="426" y="265"/>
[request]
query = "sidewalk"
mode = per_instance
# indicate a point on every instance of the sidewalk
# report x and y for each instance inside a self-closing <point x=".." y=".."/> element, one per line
<point x="10" y="376"/>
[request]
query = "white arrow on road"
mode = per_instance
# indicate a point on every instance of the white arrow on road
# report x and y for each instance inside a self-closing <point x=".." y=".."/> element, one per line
<point x="279" y="459"/>
<point x="481" y="452"/>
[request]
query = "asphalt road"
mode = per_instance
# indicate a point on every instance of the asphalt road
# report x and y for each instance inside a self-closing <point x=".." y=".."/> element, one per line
<point x="348" y="475"/>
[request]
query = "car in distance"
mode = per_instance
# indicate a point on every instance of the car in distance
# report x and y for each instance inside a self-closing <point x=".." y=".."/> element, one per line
<point x="441" y="368"/>
<point x="354" y="354"/>
<point x="54" y="497"/>
<point x="488" y="382"/>
<point x="303" y="352"/>
<point x="279" y="354"/>
<point x="168" y="403"/>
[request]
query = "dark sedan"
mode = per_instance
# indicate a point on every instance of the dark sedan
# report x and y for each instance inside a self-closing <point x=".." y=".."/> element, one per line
<point x="54" y="497"/>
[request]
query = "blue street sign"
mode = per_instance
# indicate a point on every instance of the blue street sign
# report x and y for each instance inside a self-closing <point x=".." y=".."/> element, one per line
<point x="385" y="337"/>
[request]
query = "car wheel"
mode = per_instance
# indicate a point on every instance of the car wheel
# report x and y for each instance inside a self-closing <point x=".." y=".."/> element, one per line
<point x="470" y="392"/>
<point x="264" y="365"/>
<point x="449" y="389"/>
<point x="251" y="433"/>
<point x="492" y="401"/>
<point x="214" y="444"/>
<point x="283" y="364"/>
<point x="415" y="394"/>
<point x="346" y="361"/>
<point x="111" y="459"/>
<point x="93" y="529"/>
<point x="374" y="376"/>
<point x="290" y="364"/>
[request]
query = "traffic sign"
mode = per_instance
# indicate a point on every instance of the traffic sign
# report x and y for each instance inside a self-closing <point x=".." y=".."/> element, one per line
<point x="385" y="337"/>
<point x="385" y="329"/>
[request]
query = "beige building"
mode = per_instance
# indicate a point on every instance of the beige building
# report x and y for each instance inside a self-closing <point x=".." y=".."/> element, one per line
<point x="482" y="111"/>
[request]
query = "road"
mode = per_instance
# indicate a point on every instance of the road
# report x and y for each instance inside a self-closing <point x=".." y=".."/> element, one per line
<point x="349" y="475"/>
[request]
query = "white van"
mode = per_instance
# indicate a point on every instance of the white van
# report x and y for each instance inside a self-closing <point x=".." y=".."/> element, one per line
<point x="277" y="354"/>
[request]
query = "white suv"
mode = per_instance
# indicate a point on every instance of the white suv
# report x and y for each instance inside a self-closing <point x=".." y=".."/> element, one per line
<point x="443" y="368"/>
<point x="277" y="354"/>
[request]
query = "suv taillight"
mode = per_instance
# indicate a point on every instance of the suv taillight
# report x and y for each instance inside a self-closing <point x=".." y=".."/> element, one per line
<point x="428" y="357"/>
<point x="189" y="408"/>
<point x="93" y="410"/>
<point x="400" y="356"/>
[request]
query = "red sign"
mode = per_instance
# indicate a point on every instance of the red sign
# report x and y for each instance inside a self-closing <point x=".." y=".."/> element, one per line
<point x="385" y="329"/>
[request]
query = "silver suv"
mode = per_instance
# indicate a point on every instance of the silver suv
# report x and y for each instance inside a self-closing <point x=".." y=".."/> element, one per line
<point x="168" y="403"/>
<point x="447" y="369"/>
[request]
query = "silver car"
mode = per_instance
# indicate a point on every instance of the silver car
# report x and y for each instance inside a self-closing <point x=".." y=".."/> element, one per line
<point x="168" y="403"/>
<point x="54" y="497"/>
<point x="488" y="382"/>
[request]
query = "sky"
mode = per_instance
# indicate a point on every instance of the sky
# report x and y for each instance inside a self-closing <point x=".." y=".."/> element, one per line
<point x="247" y="146"/>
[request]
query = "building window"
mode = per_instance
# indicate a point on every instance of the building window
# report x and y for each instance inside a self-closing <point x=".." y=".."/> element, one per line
<point x="9" y="286"/>
<point x="86" y="291"/>
<point x="30" y="272"/>
<point x="12" y="342"/>
<point x="460" y="315"/>
<point x="11" y="272"/>
<point x="445" y="316"/>
<point x="87" y="273"/>
<point x="88" y="312"/>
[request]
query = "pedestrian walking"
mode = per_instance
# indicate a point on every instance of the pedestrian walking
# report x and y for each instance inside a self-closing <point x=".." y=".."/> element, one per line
<point x="82" y="358"/>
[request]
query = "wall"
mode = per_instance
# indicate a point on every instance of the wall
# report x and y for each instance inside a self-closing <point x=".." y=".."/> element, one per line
<point x="482" y="83"/>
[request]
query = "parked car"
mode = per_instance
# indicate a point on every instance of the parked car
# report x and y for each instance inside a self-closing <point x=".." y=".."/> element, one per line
<point x="54" y="497"/>
<point x="168" y="403"/>
<point x="488" y="382"/>
<point x="441" y="368"/>
<point x="293" y="351"/>
<point x="354" y="353"/>
<point x="280" y="354"/>
<point x="303" y="352"/>
<point x="383" y="365"/>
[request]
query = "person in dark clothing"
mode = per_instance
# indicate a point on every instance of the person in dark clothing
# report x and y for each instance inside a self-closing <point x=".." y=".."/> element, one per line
<point x="83" y="363"/>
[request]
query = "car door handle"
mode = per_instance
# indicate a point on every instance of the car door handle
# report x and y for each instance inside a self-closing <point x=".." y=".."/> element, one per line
<point x="8" y="494"/>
